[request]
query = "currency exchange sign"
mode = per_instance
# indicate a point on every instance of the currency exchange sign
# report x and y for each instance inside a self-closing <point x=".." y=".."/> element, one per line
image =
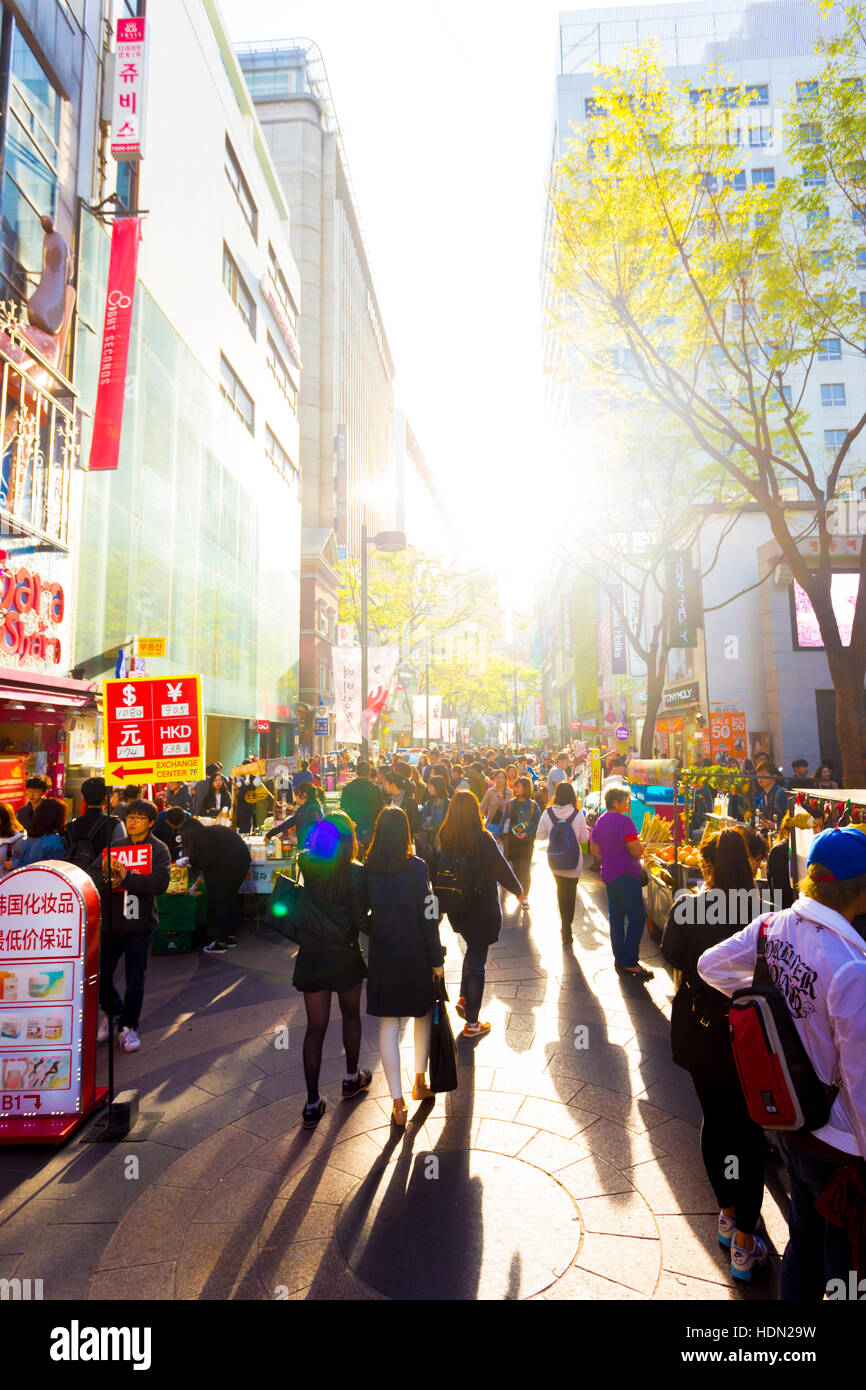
<point x="153" y="729"/>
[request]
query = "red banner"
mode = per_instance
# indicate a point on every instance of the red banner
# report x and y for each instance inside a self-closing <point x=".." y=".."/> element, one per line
<point x="108" y="417"/>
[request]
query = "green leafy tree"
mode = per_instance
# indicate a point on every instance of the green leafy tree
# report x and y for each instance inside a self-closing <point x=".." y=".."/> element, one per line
<point x="718" y="296"/>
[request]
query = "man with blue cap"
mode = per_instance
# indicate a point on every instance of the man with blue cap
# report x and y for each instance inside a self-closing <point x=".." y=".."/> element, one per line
<point x="818" y="961"/>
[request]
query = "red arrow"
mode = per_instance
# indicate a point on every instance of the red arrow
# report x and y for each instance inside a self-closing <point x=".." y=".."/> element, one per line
<point x="125" y="768"/>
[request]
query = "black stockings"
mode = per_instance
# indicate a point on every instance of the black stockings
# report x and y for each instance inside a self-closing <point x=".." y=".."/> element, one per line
<point x="318" y="1004"/>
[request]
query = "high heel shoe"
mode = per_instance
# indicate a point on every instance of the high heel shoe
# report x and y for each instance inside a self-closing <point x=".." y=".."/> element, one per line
<point x="399" y="1117"/>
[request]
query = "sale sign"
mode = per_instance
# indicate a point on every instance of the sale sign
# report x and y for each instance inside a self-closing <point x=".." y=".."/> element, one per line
<point x="153" y="729"/>
<point x="728" y="735"/>
<point x="136" y="859"/>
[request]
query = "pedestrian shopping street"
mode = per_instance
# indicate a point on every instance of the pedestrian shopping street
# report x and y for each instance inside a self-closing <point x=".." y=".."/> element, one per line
<point x="566" y="1165"/>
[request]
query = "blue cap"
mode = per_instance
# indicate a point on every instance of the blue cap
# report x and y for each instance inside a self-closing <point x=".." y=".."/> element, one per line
<point x="841" y="851"/>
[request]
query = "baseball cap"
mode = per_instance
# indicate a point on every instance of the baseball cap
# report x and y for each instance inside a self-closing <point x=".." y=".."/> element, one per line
<point x="842" y="852"/>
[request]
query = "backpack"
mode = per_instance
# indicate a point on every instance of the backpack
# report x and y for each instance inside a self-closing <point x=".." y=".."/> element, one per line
<point x="82" y="852"/>
<point x="781" y="1087"/>
<point x="450" y="886"/>
<point x="563" y="848"/>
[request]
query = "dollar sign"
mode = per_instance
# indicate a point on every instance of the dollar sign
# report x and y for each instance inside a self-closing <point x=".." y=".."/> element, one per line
<point x="129" y="694"/>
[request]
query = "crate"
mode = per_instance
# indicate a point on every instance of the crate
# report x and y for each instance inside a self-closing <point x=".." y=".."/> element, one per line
<point x="171" y="943"/>
<point x="180" y="913"/>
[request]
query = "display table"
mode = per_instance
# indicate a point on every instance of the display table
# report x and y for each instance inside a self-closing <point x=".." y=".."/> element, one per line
<point x="264" y="873"/>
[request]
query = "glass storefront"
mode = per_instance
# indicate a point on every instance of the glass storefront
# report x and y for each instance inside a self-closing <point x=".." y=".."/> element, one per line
<point x="196" y="536"/>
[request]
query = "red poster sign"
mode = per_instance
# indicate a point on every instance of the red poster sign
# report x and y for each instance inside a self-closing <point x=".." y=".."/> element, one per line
<point x="13" y="774"/>
<point x="153" y="729"/>
<point x="728" y="734"/>
<point x="108" y="416"/>
<point x="136" y="859"/>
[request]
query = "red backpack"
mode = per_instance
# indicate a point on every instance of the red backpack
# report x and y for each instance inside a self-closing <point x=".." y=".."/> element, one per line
<point x="781" y="1087"/>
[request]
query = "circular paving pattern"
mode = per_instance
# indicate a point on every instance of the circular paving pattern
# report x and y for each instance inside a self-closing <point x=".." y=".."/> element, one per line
<point x="458" y="1224"/>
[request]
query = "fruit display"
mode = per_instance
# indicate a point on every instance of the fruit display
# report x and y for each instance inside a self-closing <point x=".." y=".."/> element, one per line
<point x="689" y="857"/>
<point x="655" y="831"/>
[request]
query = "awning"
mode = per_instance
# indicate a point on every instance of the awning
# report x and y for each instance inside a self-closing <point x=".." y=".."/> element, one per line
<point x="33" y="688"/>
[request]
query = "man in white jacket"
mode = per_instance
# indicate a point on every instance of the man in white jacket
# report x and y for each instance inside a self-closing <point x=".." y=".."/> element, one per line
<point x="818" y="961"/>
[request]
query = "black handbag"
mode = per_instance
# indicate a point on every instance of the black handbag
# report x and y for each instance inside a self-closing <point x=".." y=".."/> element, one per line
<point x="443" y="1048"/>
<point x="287" y="908"/>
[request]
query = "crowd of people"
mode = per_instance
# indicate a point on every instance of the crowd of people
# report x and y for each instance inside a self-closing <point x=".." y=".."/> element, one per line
<point x="414" y="843"/>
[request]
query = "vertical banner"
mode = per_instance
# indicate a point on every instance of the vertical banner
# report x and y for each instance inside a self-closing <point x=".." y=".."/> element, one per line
<point x="108" y="415"/>
<point x="618" y="643"/>
<point x="381" y="665"/>
<point x="347" y="693"/>
<point x="130" y="81"/>
<point x="419" y="716"/>
<point x="683" y="600"/>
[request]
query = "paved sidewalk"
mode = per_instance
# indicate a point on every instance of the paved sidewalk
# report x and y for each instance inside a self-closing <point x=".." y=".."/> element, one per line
<point x="566" y="1166"/>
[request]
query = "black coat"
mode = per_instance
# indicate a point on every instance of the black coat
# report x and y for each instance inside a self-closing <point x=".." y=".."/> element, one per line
<point x="223" y="858"/>
<point x="144" y="889"/>
<point x="481" y="923"/>
<point x="700" y="1035"/>
<point x="404" y="942"/>
<point x="329" y="956"/>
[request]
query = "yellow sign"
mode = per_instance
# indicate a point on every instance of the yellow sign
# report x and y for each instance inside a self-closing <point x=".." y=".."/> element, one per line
<point x="595" y="763"/>
<point x="249" y="770"/>
<point x="151" y="646"/>
<point x="153" y="729"/>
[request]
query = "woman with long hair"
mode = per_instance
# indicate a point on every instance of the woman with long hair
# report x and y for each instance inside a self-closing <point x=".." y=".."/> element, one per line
<point x="406" y="954"/>
<point x="307" y="814"/>
<point x="45" y="840"/>
<point x="493" y="804"/>
<point x="470" y="856"/>
<point x="217" y="797"/>
<point x="11" y="836"/>
<point x="329" y="959"/>
<point x="564" y="807"/>
<point x="433" y="813"/>
<point x="522" y="817"/>
<point x="700" y="1042"/>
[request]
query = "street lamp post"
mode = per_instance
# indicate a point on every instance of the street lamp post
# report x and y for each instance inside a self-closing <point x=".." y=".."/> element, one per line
<point x="389" y="541"/>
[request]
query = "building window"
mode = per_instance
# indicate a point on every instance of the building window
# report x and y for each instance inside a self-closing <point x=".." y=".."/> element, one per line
<point x="30" y="164"/>
<point x="833" y="441"/>
<point x="810" y="133"/>
<point x="833" y="393"/>
<point x="830" y="350"/>
<point x="237" y="395"/>
<point x="281" y="287"/>
<point x="789" y="492"/>
<point x="814" y="178"/>
<point x="807" y="89"/>
<point x="592" y="108"/>
<point x="765" y="178"/>
<point x="823" y="260"/>
<point x="760" y="136"/>
<point x="236" y="286"/>
<point x="241" y="190"/>
<point x="845" y="486"/>
<point x="738" y="182"/>
<point x="280" y="372"/>
<point x="861" y="259"/>
<point x="814" y="219"/>
<point x="279" y="458"/>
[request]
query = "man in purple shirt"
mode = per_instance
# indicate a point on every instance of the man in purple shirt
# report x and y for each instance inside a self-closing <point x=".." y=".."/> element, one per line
<point x="616" y="845"/>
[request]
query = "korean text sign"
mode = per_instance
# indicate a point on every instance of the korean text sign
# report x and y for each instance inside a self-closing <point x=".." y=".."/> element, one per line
<point x="43" y="938"/>
<point x="127" y="112"/>
<point x="153" y="729"/>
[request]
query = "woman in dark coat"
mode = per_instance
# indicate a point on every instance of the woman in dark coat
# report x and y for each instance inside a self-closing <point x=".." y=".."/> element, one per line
<point x="329" y="959"/>
<point x="405" y="951"/>
<point x="217" y="798"/>
<point x="469" y="852"/>
<point x="700" y="1037"/>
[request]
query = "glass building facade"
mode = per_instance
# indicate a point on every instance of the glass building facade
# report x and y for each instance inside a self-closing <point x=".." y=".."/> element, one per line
<point x="194" y="538"/>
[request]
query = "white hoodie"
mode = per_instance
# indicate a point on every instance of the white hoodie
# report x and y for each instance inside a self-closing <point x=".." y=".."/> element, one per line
<point x="818" y="961"/>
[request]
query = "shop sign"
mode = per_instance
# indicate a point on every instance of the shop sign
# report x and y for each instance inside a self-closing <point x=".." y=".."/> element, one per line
<point x="622" y="733"/>
<point x="260" y="726"/>
<point x="13" y="775"/>
<point x="31" y="609"/>
<point x="574" y="725"/>
<point x="321" y="727"/>
<point x="286" y="330"/>
<point x="116" y="331"/>
<point x="728" y="735"/>
<point x="618" y="646"/>
<point x="153" y="729"/>
<point x="130" y="77"/>
<point x="151" y="646"/>
<point x="84" y="749"/>
<point x="590" y="723"/>
<point x="49" y="920"/>
<point x="682" y="695"/>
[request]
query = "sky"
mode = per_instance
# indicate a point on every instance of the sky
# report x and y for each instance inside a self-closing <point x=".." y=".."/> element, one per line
<point x="446" y="112"/>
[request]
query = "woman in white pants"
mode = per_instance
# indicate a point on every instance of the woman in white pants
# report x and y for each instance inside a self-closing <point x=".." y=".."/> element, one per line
<point x="406" y="954"/>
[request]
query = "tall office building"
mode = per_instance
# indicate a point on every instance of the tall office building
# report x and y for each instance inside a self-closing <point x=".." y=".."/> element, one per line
<point x="782" y="680"/>
<point x="347" y="397"/>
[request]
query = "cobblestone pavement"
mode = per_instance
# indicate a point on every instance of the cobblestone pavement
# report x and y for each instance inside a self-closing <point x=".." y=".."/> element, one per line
<point x="566" y="1165"/>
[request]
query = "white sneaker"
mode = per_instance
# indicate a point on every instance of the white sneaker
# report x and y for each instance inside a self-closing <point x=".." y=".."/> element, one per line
<point x="102" y="1032"/>
<point x="129" y="1040"/>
